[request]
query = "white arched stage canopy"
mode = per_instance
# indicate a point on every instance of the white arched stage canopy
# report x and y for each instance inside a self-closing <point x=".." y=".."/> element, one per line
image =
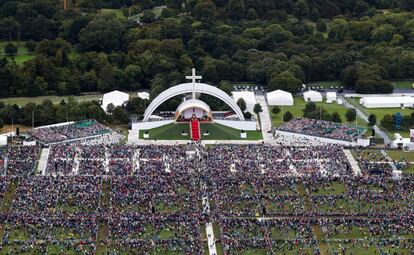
<point x="188" y="88"/>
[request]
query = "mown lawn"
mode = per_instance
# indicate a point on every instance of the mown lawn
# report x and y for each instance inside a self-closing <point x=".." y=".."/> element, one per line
<point x="21" y="101"/>
<point x="406" y="84"/>
<point x="22" y="54"/>
<point x="220" y="132"/>
<point x="299" y="105"/>
<point x="168" y="132"/>
<point x="398" y="155"/>
<point x="216" y="132"/>
<point x="117" y="12"/>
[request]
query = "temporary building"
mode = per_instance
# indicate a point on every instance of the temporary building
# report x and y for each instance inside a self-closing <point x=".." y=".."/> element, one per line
<point x="3" y="139"/>
<point x="330" y="97"/>
<point x="248" y="97"/>
<point x="387" y="102"/>
<point x="143" y="95"/>
<point x="312" y="96"/>
<point x="279" y="97"/>
<point x="117" y="98"/>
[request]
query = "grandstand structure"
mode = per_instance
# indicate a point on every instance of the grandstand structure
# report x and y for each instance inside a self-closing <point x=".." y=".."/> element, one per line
<point x="67" y="132"/>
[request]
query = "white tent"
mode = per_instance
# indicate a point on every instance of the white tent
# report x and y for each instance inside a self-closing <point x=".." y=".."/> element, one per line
<point x="330" y="97"/>
<point x="387" y="102"/>
<point x="248" y="97"/>
<point x="279" y="97"/>
<point x="312" y="96"/>
<point x="117" y="98"/>
<point x="3" y="139"/>
<point x="143" y="95"/>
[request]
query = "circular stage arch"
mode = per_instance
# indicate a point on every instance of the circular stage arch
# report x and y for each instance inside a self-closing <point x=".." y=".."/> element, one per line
<point x="188" y="88"/>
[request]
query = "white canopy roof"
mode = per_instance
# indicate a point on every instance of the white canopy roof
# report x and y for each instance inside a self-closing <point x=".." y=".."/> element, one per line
<point x="143" y="95"/>
<point x="279" y="97"/>
<point x="193" y="103"/>
<point x="313" y="96"/>
<point x="331" y="95"/>
<point x="248" y="97"/>
<point x="117" y="98"/>
<point x="387" y="102"/>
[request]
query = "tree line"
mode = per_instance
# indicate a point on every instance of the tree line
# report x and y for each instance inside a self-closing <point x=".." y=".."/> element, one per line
<point x="46" y="112"/>
<point x="281" y="44"/>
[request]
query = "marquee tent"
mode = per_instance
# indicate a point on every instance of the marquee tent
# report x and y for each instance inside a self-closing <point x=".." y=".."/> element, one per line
<point x="312" y="96"/>
<point x="330" y="97"/>
<point x="143" y="95"/>
<point x="387" y="102"/>
<point x="117" y="98"/>
<point x="279" y="97"/>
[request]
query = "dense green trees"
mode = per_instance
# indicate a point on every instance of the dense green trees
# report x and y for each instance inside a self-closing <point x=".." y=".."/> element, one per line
<point x="281" y="44"/>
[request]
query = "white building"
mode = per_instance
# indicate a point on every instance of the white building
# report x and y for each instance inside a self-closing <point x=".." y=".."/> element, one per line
<point x="279" y="97"/>
<point x="387" y="102"/>
<point x="3" y="139"/>
<point x="117" y="98"/>
<point x="248" y="97"/>
<point x="143" y="95"/>
<point x="330" y="97"/>
<point x="312" y="96"/>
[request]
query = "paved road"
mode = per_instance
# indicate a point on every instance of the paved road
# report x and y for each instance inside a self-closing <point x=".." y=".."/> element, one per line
<point x="265" y="118"/>
<point x="378" y="131"/>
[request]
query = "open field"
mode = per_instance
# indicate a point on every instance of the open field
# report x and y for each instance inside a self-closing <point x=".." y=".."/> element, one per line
<point x="20" y="101"/>
<point x="117" y="12"/>
<point x="405" y="84"/>
<point x="216" y="132"/>
<point x="168" y="132"/>
<point x="220" y="132"/>
<point x="299" y="105"/>
<point x="22" y="54"/>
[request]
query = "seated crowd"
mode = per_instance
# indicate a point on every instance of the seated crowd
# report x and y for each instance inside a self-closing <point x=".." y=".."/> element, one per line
<point x="263" y="199"/>
<point x="80" y="129"/>
<point x="322" y="128"/>
<point x="18" y="160"/>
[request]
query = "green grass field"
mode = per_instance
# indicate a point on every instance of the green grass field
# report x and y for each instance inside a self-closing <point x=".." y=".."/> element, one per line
<point x="220" y="132"/>
<point x="117" y="12"/>
<point x="216" y="132"/>
<point x="22" y="54"/>
<point x="299" y="105"/>
<point x="405" y="84"/>
<point x="20" y="101"/>
<point x="168" y="132"/>
<point x="398" y="155"/>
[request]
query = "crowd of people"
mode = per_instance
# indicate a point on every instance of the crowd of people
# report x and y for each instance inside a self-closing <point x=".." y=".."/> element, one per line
<point x="279" y="160"/>
<point x="322" y="128"/>
<point x="18" y="160"/>
<point x="59" y="133"/>
<point x="263" y="199"/>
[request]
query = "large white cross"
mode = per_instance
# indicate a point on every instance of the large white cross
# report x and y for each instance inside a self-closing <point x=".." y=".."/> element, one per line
<point x="193" y="78"/>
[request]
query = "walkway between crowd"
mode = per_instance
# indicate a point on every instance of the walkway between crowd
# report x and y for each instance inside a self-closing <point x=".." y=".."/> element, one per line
<point x="265" y="118"/>
<point x="378" y="131"/>
<point x="44" y="156"/>
<point x="212" y="249"/>
<point x="354" y="164"/>
<point x="395" y="171"/>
